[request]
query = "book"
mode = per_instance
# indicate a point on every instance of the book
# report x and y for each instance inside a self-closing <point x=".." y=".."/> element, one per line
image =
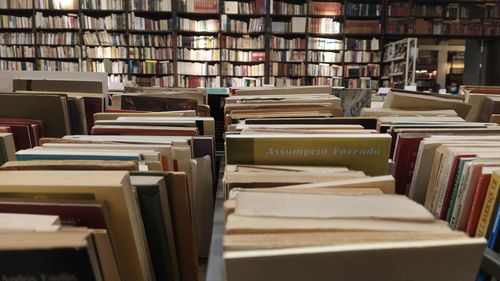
<point x="65" y="254"/>
<point x="491" y="200"/>
<point x="7" y="148"/>
<point x="155" y="212"/>
<point x="52" y="110"/>
<point x="113" y="187"/>
<point x="336" y="150"/>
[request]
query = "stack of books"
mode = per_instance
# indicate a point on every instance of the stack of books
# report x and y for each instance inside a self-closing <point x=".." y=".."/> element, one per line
<point x="320" y="196"/>
<point x="129" y="198"/>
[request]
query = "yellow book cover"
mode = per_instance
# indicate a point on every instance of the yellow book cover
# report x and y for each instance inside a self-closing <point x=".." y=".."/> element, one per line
<point x="489" y="205"/>
<point x="367" y="153"/>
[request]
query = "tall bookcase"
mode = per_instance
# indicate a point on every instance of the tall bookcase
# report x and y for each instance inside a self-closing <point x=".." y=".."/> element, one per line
<point x="212" y="43"/>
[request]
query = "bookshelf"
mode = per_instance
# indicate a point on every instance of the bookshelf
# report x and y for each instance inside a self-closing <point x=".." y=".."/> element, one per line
<point x="399" y="63"/>
<point x="229" y="43"/>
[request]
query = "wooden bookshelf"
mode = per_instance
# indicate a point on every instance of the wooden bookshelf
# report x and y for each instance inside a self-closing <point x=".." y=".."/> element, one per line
<point x="163" y="32"/>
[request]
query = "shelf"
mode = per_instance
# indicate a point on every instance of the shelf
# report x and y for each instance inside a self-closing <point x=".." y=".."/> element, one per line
<point x="396" y="74"/>
<point x="107" y="30"/>
<point x="198" y="75"/>
<point x="151" y="74"/>
<point x="96" y="11"/>
<point x="252" y="34"/>
<point x="115" y="59"/>
<point x="322" y="62"/>
<point x="244" y="15"/>
<point x="243" y="62"/>
<point x="289" y="34"/>
<point x="394" y="59"/>
<point x="207" y="61"/>
<point x="293" y="61"/>
<point x="18" y="59"/>
<point x="198" y="33"/>
<point x="149" y="31"/>
<point x="363" y="17"/>
<point x="65" y="59"/>
<point x="58" y="11"/>
<point x="191" y="48"/>
<point x="58" y="30"/>
<point x="15" y="29"/>
<point x="244" y="76"/>
<point x="361" y="63"/>
<point x="152" y="13"/>
<point x="326" y="35"/>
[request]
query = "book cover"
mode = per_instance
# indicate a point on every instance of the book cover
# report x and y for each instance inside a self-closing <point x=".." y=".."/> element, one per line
<point x="456" y="185"/>
<point x="367" y="153"/>
<point x="406" y="156"/>
<point x="149" y="103"/>
<point x="477" y="204"/>
<point x="489" y="205"/>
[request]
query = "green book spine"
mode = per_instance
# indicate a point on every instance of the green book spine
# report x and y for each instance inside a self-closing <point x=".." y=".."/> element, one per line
<point x="152" y="218"/>
<point x="455" y="188"/>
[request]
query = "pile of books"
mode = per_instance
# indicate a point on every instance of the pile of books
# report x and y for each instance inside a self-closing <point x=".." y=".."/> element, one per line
<point x="130" y="200"/>
<point x="317" y="196"/>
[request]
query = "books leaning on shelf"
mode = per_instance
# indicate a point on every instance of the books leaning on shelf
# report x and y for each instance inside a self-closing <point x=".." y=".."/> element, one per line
<point x="209" y="25"/>
<point x="57" y="4"/>
<point x="102" y="4"/>
<point x="16" y="4"/>
<point x="152" y="5"/>
<point x="69" y="21"/>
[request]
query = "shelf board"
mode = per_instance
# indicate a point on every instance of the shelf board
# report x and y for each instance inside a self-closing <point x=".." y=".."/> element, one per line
<point x="65" y="59"/>
<point x="254" y="34"/>
<point x="107" y="30"/>
<point x="246" y="49"/>
<point x="99" y="11"/>
<point x="114" y="59"/>
<point x="396" y="74"/>
<point x="394" y="59"/>
<point x="58" y="30"/>
<point x="289" y="34"/>
<point x="207" y="61"/>
<point x="137" y="31"/>
<point x="327" y="35"/>
<point x="323" y="62"/>
<point x="19" y="59"/>
<point x="152" y="13"/>
<point x="244" y="76"/>
<point x="243" y="62"/>
<point x="151" y="74"/>
<point x="361" y="63"/>
<point x="198" y="33"/>
<point x="192" y="48"/>
<point x="287" y="49"/>
<point x="58" y="11"/>
<point x="15" y="29"/>
<point x="353" y="17"/>
<point x="194" y="75"/>
<point x="245" y="15"/>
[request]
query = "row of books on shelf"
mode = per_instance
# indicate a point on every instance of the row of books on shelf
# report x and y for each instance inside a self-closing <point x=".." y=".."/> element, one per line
<point x="150" y="67"/>
<point x="196" y="82"/>
<point x="362" y="27"/>
<point x="443" y="27"/>
<point x="150" y="40"/>
<point x="287" y="43"/>
<point x="102" y="4"/>
<point x="361" y="56"/>
<point x="63" y="52"/>
<point x="245" y="42"/>
<point x="56" y="22"/>
<point x="449" y="11"/>
<point x="199" y="55"/>
<point x="199" y="6"/>
<point x="162" y="81"/>
<point x="209" y="25"/>
<point x="286" y="8"/>
<point x="145" y="24"/>
<point x="56" y="65"/>
<point x="147" y="53"/>
<point x="60" y="38"/>
<point x="106" y="52"/>
<point x="243" y="56"/>
<point x="363" y="9"/>
<point x="202" y="42"/>
<point x="325" y="8"/>
<point x="111" y="22"/>
<point x="17" y="39"/>
<point x="17" y="52"/>
<point x="8" y="21"/>
<point x="16" y="4"/>
<point x="327" y="57"/>
<point x="230" y="69"/>
<point x="151" y="5"/>
<point x="288" y="69"/>
<point x="253" y="25"/>
<point x="246" y="8"/>
<point x="8" y="65"/>
<point x="103" y="38"/>
<point x="287" y="56"/>
<point x="295" y="25"/>
<point x="111" y="67"/>
<point x="324" y="70"/>
<point x="197" y="68"/>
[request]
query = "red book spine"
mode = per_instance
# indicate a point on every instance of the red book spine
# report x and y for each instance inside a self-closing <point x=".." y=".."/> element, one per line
<point x="477" y="205"/>
<point x="406" y="153"/>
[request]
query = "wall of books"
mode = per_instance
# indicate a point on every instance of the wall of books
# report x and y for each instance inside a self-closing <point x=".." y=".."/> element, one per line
<point x="212" y="43"/>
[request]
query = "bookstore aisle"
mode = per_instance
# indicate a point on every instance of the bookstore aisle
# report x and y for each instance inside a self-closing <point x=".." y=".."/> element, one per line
<point x="245" y="183"/>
